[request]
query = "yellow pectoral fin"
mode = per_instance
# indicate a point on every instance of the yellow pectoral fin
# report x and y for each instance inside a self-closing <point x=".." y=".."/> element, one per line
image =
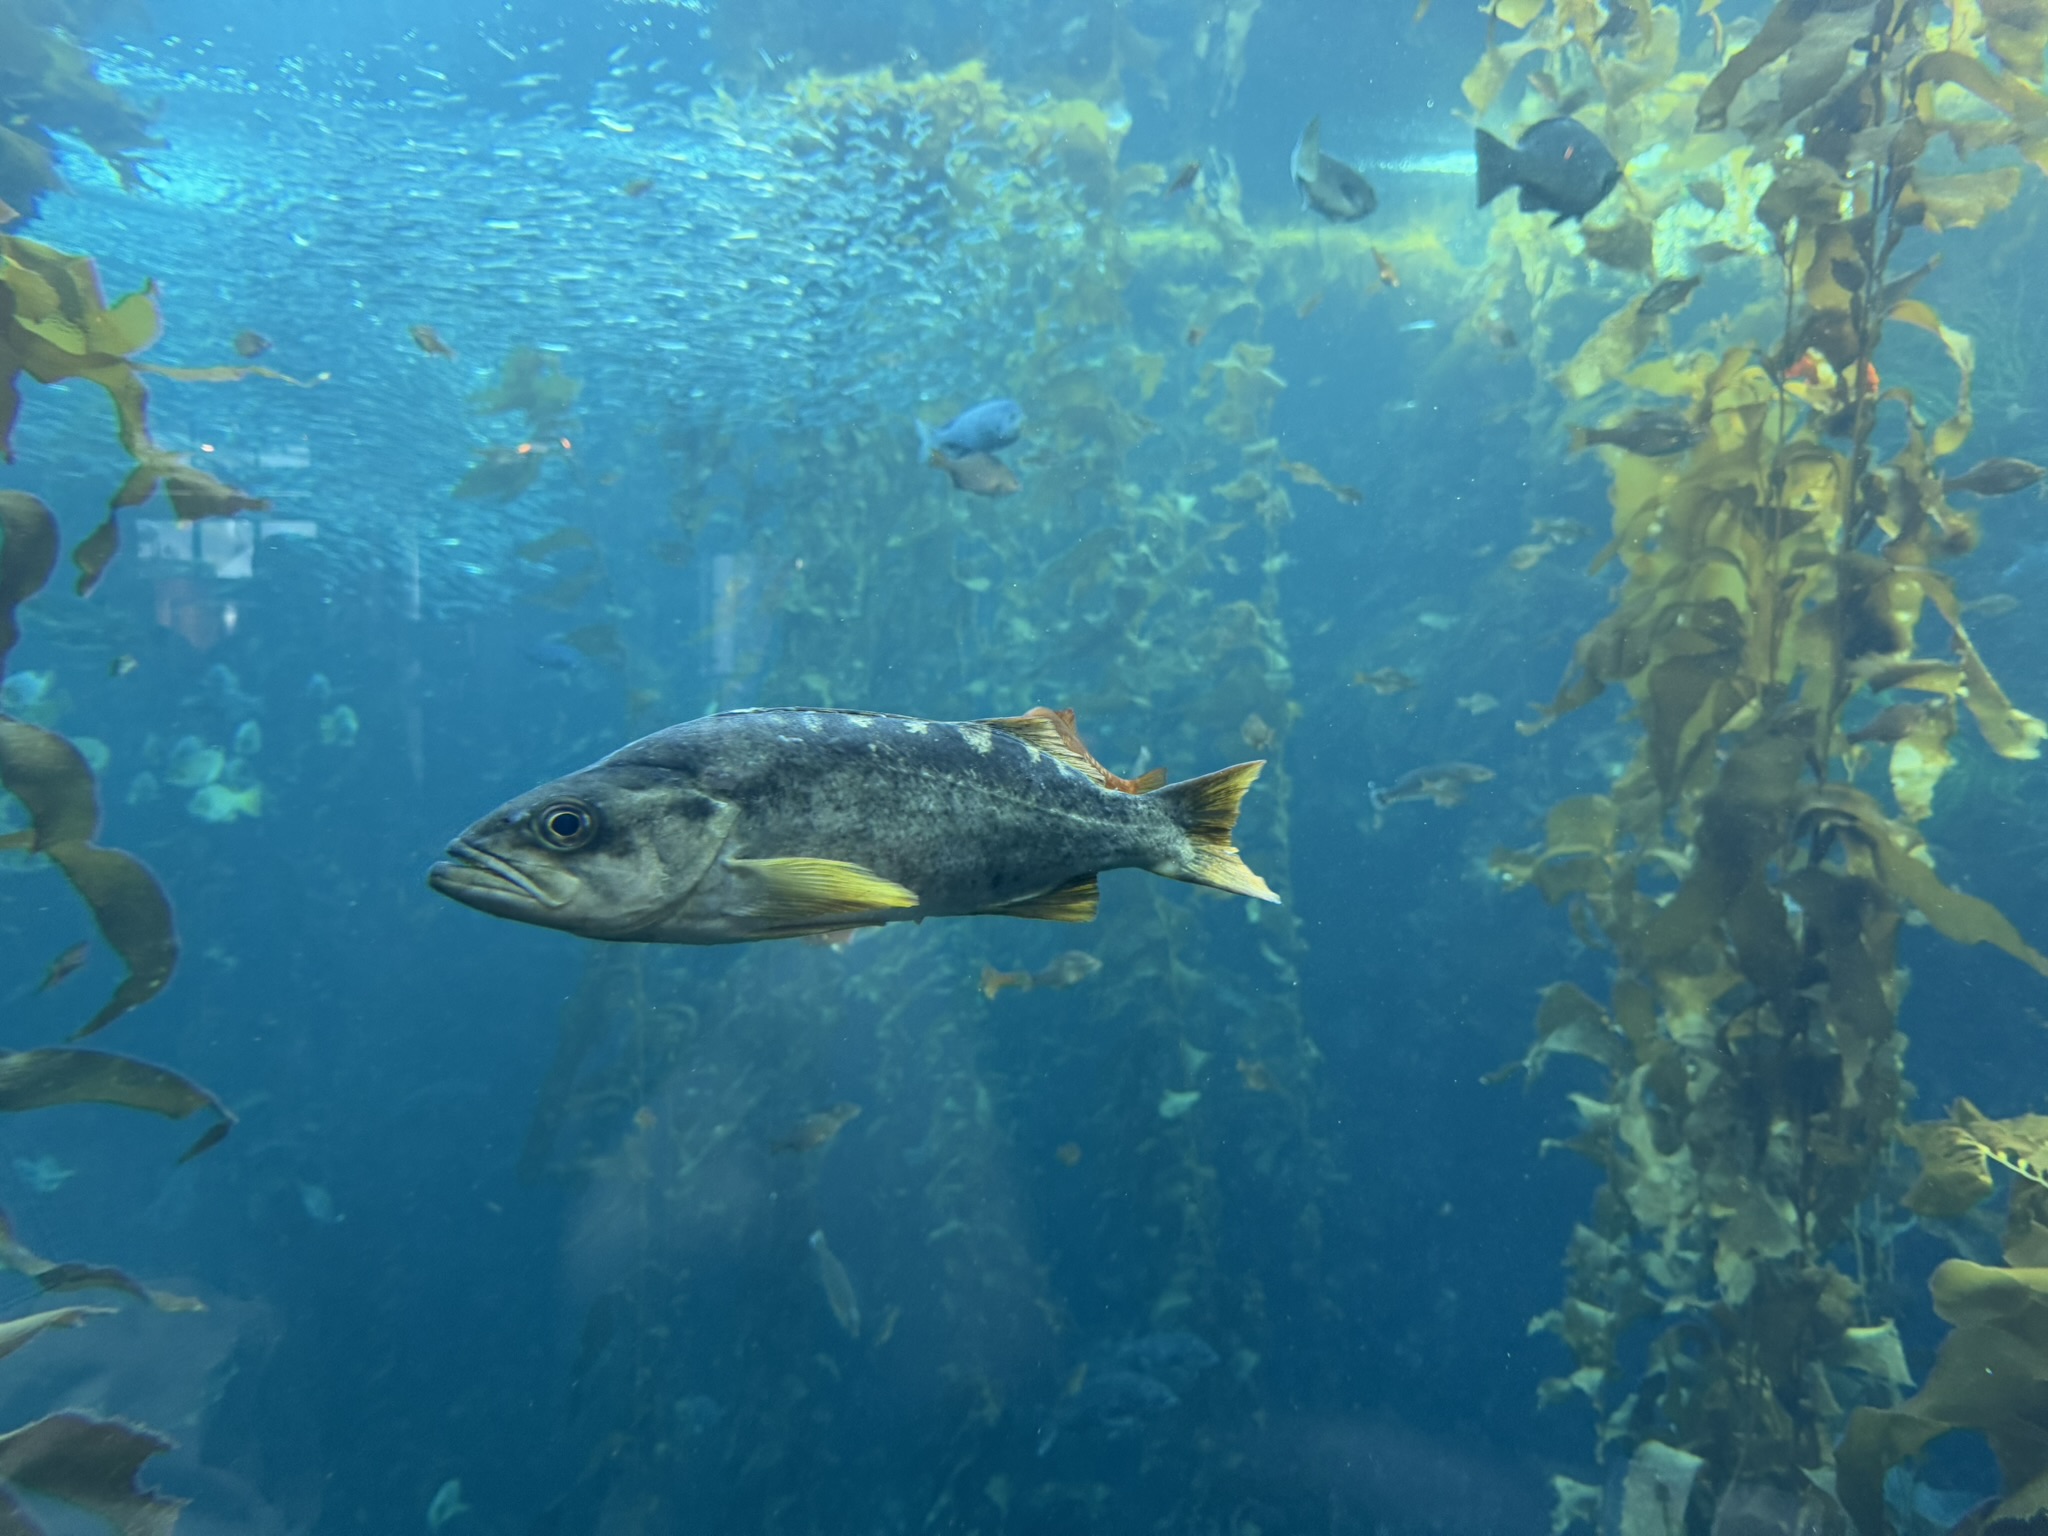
<point x="798" y="890"/>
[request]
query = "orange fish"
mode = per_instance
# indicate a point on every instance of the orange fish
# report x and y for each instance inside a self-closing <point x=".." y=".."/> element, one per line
<point x="1063" y="721"/>
<point x="1387" y="273"/>
<point x="978" y="474"/>
<point x="429" y="341"/>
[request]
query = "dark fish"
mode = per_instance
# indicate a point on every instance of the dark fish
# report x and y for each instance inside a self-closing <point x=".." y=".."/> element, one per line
<point x="1174" y="1356"/>
<point x="978" y="474"/>
<point x="1068" y="970"/>
<point x="1386" y="680"/>
<point x="771" y="823"/>
<point x="980" y="428"/>
<point x="1388" y="275"/>
<point x="429" y="341"/>
<point x="1717" y="250"/>
<point x="1668" y="295"/>
<point x="1994" y="477"/>
<point x="1620" y="23"/>
<point x="813" y="1131"/>
<point x="121" y="666"/>
<point x="1893" y="723"/>
<point x="67" y="964"/>
<point x="1335" y="190"/>
<point x="1560" y="165"/>
<point x="1708" y="194"/>
<point x="1445" y="783"/>
<point x="1185" y="179"/>
<point x="251" y="343"/>
<point x="639" y="186"/>
<point x="1649" y="434"/>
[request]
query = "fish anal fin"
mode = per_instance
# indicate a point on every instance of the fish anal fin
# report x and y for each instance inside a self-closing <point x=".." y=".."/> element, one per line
<point x="1074" y="902"/>
<point x="797" y="890"/>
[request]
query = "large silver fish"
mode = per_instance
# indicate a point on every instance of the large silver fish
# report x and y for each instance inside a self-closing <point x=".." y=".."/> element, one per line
<point x="771" y="823"/>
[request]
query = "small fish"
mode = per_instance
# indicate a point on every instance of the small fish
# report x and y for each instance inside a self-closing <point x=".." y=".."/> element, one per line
<point x="1111" y="1402"/>
<point x="251" y="343"/>
<point x="220" y="804"/>
<point x="193" y="764"/>
<point x="319" y="1204"/>
<point x="1668" y="295"/>
<point x="1417" y="326"/>
<point x="1332" y="188"/>
<point x="814" y="1131"/>
<point x="121" y="666"/>
<point x="1068" y="1152"/>
<point x="1893" y="723"/>
<point x="1647" y="434"/>
<point x="982" y="428"/>
<point x="1308" y="474"/>
<point x="429" y="341"/>
<point x="639" y="186"/>
<point x="1256" y="1076"/>
<point x="1445" y="783"/>
<point x="1717" y="251"/>
<point x="1708" y="194"/>
<point x="1524" y="557"/>
<point x="339" y="727"/>
<point x="1386" y="680"/>
<point x="1173" y="1105"/>
<point x="447" y="1504"/>
<point x="1256" y="733"/>
<point x="1196" y="333"/>
<point x="1478" y="703"/>
<point x="1559" y="530"/>
<point x="1994" y="477"/>
<point x="1499" y="332"/>
<point x="1309" y="305"/>
<point x="1068" y="970"/>
<point x="1185" y="179"/>
<point x="70" y="963"/>
<point x="1559" y="164"/>
<point x="772" y="823"/>
<point x="978" y="474"/>
<point x="1388" y="275"/>
<point x="838" y="1286"/>
<point x="1995" y="606"/>
<point x="554" y="655"/>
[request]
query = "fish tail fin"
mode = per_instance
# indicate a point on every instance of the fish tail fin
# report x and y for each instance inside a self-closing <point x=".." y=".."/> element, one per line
<point x="1496" y="166"/>
<point x="992" y="982"/>
<point x="1581" y="439"/>
<point x="927" y="440"/>
<point x="1206" y="810"/>
<point x="1308" y="149"/>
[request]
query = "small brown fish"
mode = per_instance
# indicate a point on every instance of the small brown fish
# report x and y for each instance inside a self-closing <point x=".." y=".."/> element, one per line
<point x="1708" y="194"/>
<point x="1647" y="434"/>
<point x="1070" y="736"/>
<point x="1196" y="333"/>
<point x="1068" y="1152"/>
<point x="1256" y="1076"/>
<point x="67" y="964"/>
<point x="1499" y="332"/>
<point x="1185" y="179"/>
<point x="978" y="474"/>
<point x="251" y="343"/>
<point x="1067" y="970"/>
<point x="429" y="341"/>
<point x="639" y="186"/>
<point x="1524" y="557"/>
<point x="1309" y="305"/>
<point x="1668" y="295"/>
<point x="1335" y="190"/>
<point x="1386" y="680"/>
<point x="1388" y="275"/>
<point x="1717" y="250"/>
<point x="838" y="1286"/>
<point x="814" y="1131"/>
<point x="1994" y="477"/>
<point x="1995" y="606"/>
<point x="121" y="666"/>
<point x="1445" y="783"/>
<point x="1308" y="474"/>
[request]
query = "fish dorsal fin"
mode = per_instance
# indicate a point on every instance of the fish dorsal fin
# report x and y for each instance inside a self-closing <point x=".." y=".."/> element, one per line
<point x="797" y="891"/>
<point x="1052" y="732"/>
<point x="1074" y="902"/>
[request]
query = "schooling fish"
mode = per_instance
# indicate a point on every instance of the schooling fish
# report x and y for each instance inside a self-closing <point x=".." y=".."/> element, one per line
<point x="1335" y="190"/>
<point x="1559" y="164"/>
<point x="1069" y="970"/>
<point x="980" y="428"/>
<point x="839" y="1294"/>
<point x="978" y="474"/>
<point x="1445" y="783"/>
<point x="772" y="823"/>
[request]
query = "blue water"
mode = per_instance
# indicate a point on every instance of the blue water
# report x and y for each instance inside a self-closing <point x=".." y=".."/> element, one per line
<point x="440" y="1244"/>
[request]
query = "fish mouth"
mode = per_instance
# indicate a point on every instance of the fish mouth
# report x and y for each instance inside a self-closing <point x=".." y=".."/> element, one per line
<point x="479" y="878"/>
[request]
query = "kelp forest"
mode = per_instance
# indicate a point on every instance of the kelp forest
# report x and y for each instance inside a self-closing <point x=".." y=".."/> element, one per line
<point x="997" y="1226"/>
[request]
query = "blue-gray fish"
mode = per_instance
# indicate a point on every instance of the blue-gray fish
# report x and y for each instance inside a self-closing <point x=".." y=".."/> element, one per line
<point x="980" y="428"/>
<point x="1560" y="165"/>
<point x="773" y="823"/>
<point x="1335" y="190"/>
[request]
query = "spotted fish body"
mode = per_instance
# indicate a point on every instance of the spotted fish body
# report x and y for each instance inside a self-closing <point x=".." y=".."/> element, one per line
<point x="777" y="822"/>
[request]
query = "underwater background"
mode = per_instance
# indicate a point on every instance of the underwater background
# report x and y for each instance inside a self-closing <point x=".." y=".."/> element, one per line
<point x="534" y="376"/>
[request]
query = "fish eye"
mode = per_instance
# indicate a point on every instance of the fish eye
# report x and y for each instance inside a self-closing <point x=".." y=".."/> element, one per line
<point x="567" y="825"/>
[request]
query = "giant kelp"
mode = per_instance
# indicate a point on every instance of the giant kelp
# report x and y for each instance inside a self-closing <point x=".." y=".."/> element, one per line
<point x="1134" y="579"/>
<point x="1778" y="579"/>
<point x="48" y="86"/>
